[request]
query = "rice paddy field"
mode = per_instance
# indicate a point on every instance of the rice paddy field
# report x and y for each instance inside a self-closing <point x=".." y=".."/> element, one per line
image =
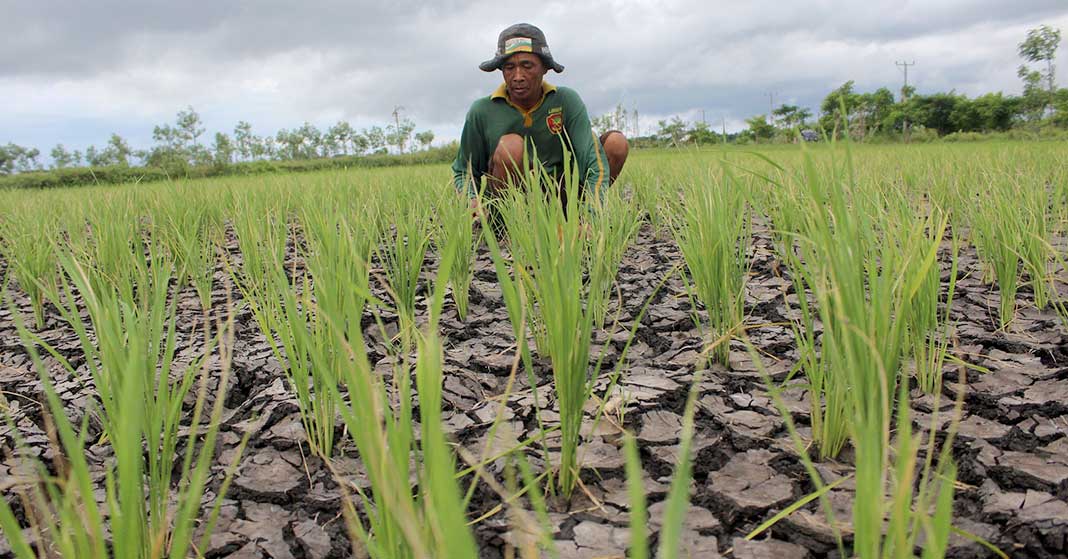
<point x="837" y="351"/>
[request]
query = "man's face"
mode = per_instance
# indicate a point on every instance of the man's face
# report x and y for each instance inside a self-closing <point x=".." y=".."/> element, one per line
<point x="523" y="72"/>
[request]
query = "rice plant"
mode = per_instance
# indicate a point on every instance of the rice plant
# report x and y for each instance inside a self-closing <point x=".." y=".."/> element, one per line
<point x="613" y="222"/>
<point x="152" y="503"/>
<point x="713" y="229"/>
<point x="191" y="232"/>
<point x="901" y="504"/>
<point x="31" y="258"/>
<point x="454" y="228"/>
<point x="401" y="250"/>
<point x="555" y="257"/>
<point x="428" y="521"/>
<point x="859" y="266"/>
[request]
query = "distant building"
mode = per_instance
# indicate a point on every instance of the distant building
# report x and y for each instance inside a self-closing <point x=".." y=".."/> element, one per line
<point x="810" y="135"/>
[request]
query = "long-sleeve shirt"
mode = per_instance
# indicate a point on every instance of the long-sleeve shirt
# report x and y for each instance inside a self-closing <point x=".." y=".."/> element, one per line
<point x="558" y="122"/>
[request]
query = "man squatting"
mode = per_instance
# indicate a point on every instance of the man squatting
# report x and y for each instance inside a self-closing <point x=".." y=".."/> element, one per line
<point x="528" y="112"/>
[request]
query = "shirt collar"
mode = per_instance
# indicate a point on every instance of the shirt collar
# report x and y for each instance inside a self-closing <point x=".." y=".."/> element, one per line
<point x="502" y="91"/>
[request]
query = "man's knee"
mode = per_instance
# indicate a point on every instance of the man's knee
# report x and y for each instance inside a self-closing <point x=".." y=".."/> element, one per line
<point x="616" y="149"/>
<point x="509" y="152"/>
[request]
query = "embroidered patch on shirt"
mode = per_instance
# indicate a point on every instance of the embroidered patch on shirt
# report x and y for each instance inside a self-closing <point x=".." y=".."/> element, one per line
<point x="518" y="44"/>
<point x="555" y="122"/>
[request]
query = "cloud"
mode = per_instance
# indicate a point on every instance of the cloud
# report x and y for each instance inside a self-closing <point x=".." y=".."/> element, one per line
<point x="73" y="72"/>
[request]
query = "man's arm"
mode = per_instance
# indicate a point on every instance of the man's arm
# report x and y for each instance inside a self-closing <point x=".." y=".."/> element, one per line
<point x="470" y="163"/>
<point x="590" y="158"/>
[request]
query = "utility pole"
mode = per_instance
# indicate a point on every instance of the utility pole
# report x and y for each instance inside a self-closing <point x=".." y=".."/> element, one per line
<point x="703" y="116"/>
<point x="724" y="121"/>
<point x="396" y="119"/>
<point x="771" y="105"/>
<point x="904" y="95"/>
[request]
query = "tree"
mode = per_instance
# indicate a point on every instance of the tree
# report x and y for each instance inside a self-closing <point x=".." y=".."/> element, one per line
<point x="760" y="128"/>
<point x="615" y="120"/>
<point x="1034" y="99"/>
<point x="360" y="143"/>
<point x="1060" y="107"/>
<point x="425" y="138"/>
<point x="61" y="158"/>
<point x="289" y="144"/>
<point x="702" y="134"/>
<point x="339" y="137"/>
<point x="16" y="158"/>
<point x="7" y="159"/>
<point x="311" y="141"/>
<point x="244" y="140"/>
<point x="223" y="150"/>
<point x="1041" y="46"/>
<point x="190" y="126"/>
<point x="671" y="132"/>
<point x="792" y="116"/>
<point x="935" y="111"/>
<point x="831" y="108"/>
<point x="376" y="139"/>
<point x="397" y="134"/>
<point x="871" y="112"/>
<point x="116" y="152"/>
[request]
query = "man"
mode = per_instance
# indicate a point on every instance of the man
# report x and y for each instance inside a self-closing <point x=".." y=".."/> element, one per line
<point x="526" y="112"/>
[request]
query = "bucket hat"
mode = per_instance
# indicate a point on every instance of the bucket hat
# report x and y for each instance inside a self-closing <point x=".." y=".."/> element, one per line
<point x="521" y="37"/>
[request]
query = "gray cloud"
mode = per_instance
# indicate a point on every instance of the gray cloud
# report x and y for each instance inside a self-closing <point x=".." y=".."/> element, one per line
<point x="69" y="70"/>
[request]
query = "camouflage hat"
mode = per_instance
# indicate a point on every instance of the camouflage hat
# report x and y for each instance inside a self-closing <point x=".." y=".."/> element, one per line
<point x="521" y="37"/>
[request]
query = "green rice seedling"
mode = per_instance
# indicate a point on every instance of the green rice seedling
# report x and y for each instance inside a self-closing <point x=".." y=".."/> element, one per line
<point x="261" y="231"/>
<point x="898" y="506"/>
<point x="929" y="327"/>
<point x="1010" y="228"/>
<point x="1036" y="225"/>
<point x="284" y="312"/>
<point x="191" y="231"/>
<point x="152" y="505"/>
<point x="26" y="242"/>
<point x="554" y="238"/>
<point x="338" y="257"/>
<point x="614" y="222"/>
<point x="116" y="249"/>
<point x="858" y="265"/>
<point x="454" y="228"/>
<point x="402" y="250"/>
<point x="522" y="248"/>
<point x="299" y="336"/>
<point x="648" y="195"/>
<point x="713" y="231"/>
<point x="429" y="521"/>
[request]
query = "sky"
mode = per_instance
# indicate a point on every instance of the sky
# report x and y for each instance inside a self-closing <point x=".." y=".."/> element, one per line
<point x="74" y="71"/>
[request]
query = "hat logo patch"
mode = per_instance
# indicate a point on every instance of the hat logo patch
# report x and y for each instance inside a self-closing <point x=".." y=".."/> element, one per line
<point x="518" y="44"/>
<point x="555" y="122"/>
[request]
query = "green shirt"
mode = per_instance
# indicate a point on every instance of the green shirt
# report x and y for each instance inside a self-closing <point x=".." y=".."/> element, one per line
<point x="560" y="115"/>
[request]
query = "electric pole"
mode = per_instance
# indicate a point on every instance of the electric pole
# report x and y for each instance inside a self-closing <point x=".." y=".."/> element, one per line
<point x="905" y="95"/>
<point x="771" y="105"/>
<point x="396" y="119"/>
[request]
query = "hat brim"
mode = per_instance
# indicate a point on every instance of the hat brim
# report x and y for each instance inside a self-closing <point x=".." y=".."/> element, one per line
<point x="495" y="63"/>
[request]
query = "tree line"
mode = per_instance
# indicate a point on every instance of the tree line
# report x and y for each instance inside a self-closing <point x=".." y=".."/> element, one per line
<point x="878" y="115"/>
<point x="183" y="144"/>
